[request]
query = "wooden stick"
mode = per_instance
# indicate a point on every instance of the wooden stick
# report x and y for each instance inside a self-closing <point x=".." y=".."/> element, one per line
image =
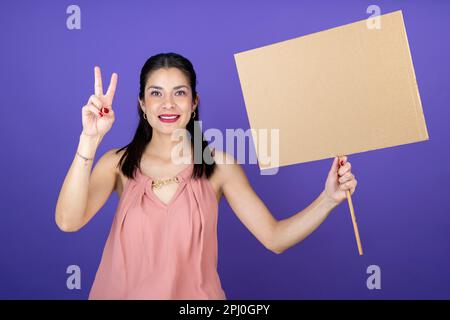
<point x="355" y="225"/>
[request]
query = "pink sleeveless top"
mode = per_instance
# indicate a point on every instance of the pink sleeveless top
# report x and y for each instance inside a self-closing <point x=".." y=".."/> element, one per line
<point x="162" y="251"/>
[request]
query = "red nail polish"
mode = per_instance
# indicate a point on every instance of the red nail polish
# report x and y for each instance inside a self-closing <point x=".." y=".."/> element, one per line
<point x="342" y="162"/>
<point x="105" y="110"/>
<point x="100" y="114"/>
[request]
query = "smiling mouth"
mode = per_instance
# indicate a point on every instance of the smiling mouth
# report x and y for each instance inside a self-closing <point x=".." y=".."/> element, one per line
<point x="169" y="118"/>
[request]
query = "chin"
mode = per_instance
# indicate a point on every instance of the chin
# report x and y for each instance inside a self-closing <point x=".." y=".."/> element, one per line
<point x="170" y="129"/>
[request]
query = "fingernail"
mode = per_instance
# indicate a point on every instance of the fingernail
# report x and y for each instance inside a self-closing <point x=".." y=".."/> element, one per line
<point x="101" y="114"/>
<point x="105" y="110"/>
<point x="342" y="162"/>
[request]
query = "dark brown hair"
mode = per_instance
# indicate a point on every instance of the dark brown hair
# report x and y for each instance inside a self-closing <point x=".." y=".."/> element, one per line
<point x="130" y="160"/>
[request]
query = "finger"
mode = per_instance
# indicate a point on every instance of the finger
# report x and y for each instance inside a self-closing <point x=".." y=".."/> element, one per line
<point x="342" y="160"/>
<point x="345" y="168"/>
<point x="107" y="110"/>
<point x="98" y="86"/>
<point x="346" y="177"/>
<point x="112" y="86"/>
<point x="334" y="166"/>
<point x="348" y="185"/>
<point x="90" y="108"/>
<point x="354" y="187"/>
<point x="93" y="99"/>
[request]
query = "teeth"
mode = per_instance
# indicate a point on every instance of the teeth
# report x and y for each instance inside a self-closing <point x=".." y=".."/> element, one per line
<point x="168" y="118"/>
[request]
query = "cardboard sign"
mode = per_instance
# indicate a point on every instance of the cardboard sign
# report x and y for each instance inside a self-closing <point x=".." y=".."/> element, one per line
<point x="337" y="92"/>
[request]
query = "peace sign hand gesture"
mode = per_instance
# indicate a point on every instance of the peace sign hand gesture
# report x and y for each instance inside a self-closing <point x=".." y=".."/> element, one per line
<point x="97" y="114"/>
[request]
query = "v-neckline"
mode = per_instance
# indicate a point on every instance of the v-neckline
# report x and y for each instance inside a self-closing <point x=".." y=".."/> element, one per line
<point x="172" y="199"/>
<point x="182" y="177"/>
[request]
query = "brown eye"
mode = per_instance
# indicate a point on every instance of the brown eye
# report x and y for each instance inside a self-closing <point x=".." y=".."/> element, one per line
<point x="181" y="91"/>
<point x="152" y="93"/>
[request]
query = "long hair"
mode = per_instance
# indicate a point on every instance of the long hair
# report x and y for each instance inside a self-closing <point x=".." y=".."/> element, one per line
<point x="131" y="158"/>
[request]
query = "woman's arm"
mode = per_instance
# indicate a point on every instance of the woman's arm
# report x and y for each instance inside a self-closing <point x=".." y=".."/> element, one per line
<point x="73" y="195"/>
<point x="275" y="235"/>
<point x="82" y="193"/>
<point x="297" y="227"/>
<point x="294" y="229"/>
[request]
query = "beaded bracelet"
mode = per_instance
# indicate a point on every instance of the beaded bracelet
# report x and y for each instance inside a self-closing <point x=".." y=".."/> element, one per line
<point x="84" y="157"/>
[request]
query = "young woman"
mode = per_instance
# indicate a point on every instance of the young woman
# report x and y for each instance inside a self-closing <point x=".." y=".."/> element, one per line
<point x="163" y="242"/>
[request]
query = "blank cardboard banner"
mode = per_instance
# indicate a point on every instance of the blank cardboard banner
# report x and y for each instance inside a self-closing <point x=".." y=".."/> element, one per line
<point x="340" y="91"/>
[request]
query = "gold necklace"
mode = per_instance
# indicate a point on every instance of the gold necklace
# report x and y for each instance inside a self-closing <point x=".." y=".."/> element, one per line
<point x="160" y="182"/>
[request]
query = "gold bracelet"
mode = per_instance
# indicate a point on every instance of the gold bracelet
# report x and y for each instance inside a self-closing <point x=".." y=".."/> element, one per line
<point x="84" y="157"/>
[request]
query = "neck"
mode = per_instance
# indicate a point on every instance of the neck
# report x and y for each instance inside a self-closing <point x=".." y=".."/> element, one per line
<point x="162" y="146"/>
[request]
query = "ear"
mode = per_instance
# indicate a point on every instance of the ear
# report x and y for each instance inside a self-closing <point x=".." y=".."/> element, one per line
<point x="142" y="105"/>
<point x="196" y="102"/>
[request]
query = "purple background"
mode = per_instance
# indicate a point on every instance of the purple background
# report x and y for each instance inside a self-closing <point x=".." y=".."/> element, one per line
<point x="402" y="200"/>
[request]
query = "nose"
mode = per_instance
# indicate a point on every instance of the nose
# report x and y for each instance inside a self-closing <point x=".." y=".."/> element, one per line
<point x="169" y="101"/>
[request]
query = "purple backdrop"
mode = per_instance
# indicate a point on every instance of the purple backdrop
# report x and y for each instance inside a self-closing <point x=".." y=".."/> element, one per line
<point x="47" y="75"/>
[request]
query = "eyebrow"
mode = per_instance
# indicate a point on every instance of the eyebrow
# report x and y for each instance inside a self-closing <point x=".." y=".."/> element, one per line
<point x="175" y="88"/>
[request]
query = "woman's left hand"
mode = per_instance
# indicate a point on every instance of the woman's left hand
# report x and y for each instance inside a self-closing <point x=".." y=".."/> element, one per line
<point x="339" y="180"/>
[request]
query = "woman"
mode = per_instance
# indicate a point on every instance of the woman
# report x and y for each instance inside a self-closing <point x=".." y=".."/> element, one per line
<point x="163" y="241"/>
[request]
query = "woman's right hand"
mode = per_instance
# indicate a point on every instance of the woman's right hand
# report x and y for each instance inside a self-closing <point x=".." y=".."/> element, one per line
<point x="97" y="114"/>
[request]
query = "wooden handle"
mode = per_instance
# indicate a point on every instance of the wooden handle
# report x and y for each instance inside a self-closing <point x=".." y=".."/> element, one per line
<point x="355" y="225"/>
<point x="352" y="213"/>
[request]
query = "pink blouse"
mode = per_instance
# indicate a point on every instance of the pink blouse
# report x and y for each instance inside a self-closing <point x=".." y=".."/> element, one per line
<point x="159" y="251"/>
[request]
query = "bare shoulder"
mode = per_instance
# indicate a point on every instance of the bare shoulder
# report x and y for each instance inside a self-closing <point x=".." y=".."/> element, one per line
<point x="112" y="158"/>
<point x="224" y="159"/>
<point x="231" y="178"/>
<point x="227" y="167"/>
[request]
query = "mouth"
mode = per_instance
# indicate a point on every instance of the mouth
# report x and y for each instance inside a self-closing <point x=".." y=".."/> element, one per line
<point x="168" y="117"/>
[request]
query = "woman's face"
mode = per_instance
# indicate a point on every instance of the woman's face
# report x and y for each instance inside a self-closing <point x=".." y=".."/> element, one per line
<point x="168" y="100"/>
